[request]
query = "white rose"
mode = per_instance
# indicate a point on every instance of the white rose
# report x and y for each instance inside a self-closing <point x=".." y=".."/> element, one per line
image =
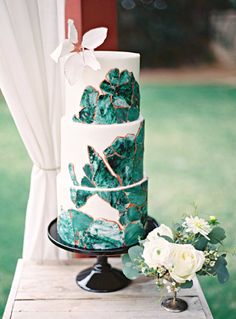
<point x="162" y="230"/>
<point x="186" y="261"/>
<point x="156" y="252"/>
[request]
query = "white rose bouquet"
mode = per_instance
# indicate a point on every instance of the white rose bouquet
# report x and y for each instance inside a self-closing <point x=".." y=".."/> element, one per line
<point x="174" y="257"/>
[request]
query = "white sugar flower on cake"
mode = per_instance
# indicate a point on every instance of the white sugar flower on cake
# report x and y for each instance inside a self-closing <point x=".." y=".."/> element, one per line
<point x="79" y="54"/>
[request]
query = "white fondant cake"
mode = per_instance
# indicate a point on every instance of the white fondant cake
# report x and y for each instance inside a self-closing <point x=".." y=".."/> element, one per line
<point x="102" y="192"/>
<point x="75" y="138"/>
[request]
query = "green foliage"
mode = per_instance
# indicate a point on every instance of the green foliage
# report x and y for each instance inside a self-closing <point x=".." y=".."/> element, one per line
<point x="137" y="195"/>
<point x="200" y="243"/>
<point x="133" y="213"/>
<point x="217" y="235"/>
<point x="133" y="232"/>
<point x="131" y="262"/>
<point x="129" y="269"/>
<point x="135" y="254"/>
<point x="213" y="221"/>
<point x="221" y="269"/>
<point x="187" y="284"/>
<point x="170" y="240"/>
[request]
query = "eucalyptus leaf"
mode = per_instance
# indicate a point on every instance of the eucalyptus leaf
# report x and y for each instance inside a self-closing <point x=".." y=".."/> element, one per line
<point x="131" y="272"/>
<point x="124" y="219"/>
<point x="201" y="243"/>
<point x="187" y="284"/>
<point x="217" y="235"/>
<point x="221" y="269"/>
<point x="133" y="213"/>
<point x="170" y="240"/>
<point x="137" y="195"/>
<point x="126" y="261"/>
<point x="129" y="269"/>
<point x="133" y="232"/>
<point x="135" y="253"/>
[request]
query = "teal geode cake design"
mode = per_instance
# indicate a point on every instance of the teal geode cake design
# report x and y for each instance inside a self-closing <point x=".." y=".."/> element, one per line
<point x="97" y="173"/>
<point x="102" y="192"/>
<point x="89" y="233"/>
<point x="73" y="177"/>
<point x="125" y="159"/>
<point x="123" y="200"/>
<point x="77" y="228"/>
<point x="118" y="103"/>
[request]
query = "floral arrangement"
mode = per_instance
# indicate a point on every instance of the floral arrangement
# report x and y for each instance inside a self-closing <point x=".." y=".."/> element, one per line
<point x="174" y="257"/>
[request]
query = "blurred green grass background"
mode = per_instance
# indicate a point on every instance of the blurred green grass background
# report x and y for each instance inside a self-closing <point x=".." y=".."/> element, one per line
<point x="190" y="156"/>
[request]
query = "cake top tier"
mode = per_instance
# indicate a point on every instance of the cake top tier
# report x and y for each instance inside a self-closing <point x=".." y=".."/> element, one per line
<point x="108" y="95"/>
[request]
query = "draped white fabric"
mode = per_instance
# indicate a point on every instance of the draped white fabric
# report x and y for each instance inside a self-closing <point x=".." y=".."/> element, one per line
<point x="32" y="86"/>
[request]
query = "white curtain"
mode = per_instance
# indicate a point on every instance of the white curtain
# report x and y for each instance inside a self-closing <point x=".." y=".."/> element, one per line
<point x="32" y="86"/>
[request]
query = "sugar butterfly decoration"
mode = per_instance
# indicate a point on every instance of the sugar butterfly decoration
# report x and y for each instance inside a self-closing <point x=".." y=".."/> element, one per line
<point x="79" y="54"/>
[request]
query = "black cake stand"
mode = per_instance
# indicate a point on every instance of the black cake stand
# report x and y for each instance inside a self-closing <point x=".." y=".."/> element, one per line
<point x="101" y="277"/>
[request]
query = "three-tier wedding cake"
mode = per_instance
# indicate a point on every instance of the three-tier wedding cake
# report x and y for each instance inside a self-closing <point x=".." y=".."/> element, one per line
<point x="102" y="190"/>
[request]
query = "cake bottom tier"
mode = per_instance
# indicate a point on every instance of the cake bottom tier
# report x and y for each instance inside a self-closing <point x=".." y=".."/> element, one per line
<point x="103" y="218"/>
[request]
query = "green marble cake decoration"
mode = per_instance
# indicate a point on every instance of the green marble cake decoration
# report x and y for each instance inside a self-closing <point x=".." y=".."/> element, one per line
<point x="131" y="203"/>
<point x="118" y="103"/>
<point x="78" y="228"/>
<point x="72" y="174"/>
<point x="124" y="157"/>
<point x="102" y="189"/>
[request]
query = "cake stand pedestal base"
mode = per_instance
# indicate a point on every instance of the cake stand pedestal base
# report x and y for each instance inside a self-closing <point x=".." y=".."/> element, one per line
<point x="102" y="277"/>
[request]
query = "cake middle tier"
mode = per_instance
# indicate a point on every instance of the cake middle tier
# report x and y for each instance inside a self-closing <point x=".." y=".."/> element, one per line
<point x="102" y="155"/>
